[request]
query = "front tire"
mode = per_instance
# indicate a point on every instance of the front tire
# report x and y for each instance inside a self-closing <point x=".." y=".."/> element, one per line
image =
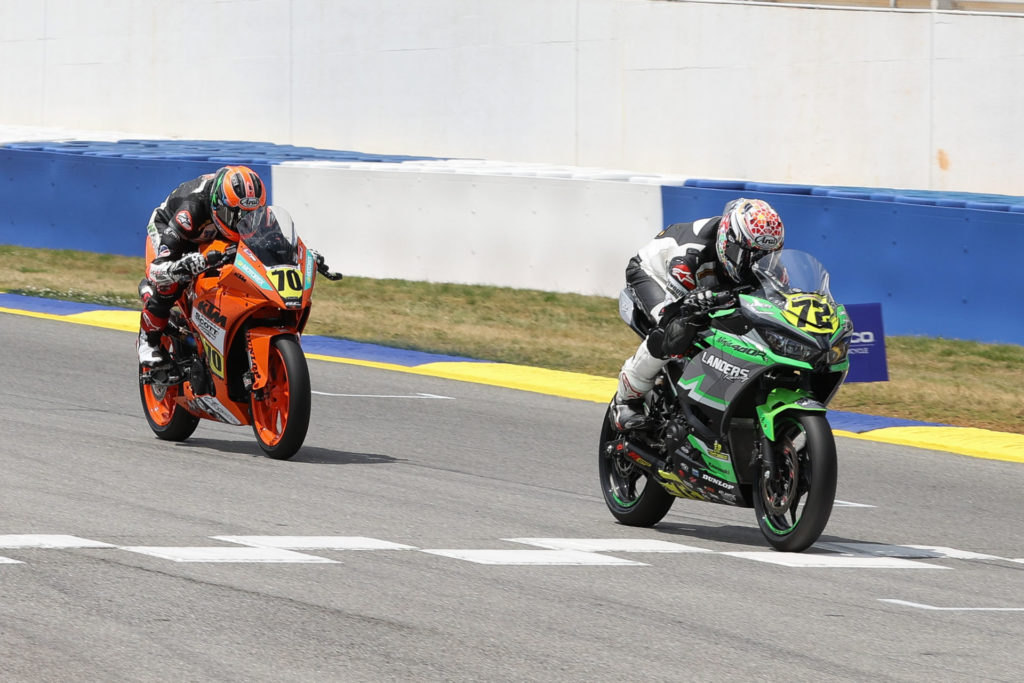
<point x="793" y="509"/>
<point x="629" y="493"/>
<point x="280" y="416"/>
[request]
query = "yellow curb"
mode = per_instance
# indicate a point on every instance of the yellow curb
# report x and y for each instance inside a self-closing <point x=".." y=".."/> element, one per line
<point x="551" y="382"/>
<point x="113" y="320"/>
<point x="968" y="441"/>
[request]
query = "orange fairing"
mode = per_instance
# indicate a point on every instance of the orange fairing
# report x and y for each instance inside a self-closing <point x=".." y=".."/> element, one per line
<point x="233" y="341"/>
<point x="259" y="339"/>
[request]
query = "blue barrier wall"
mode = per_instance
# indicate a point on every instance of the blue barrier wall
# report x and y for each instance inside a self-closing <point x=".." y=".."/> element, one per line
<point x="939" y="264"/>
<point x="98" y="196"/>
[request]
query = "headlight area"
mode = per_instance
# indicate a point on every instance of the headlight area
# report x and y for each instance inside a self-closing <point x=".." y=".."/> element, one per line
<point x="838" y="352"/>
<point x="790" y="348"/>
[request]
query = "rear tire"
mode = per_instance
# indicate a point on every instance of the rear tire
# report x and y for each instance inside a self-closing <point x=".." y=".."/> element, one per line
<point x="280" y="418"/>
<point x="168" y="420"/>
<point x="793" y="511"/>
<point x="629" y="493"/>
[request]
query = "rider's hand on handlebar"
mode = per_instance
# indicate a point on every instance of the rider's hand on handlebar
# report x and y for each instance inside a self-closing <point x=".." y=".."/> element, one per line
<point x="704" y="300"/>
<point x="190" y="265"/>
<point x="216" y="258"/>
<point x="322" y="268"/>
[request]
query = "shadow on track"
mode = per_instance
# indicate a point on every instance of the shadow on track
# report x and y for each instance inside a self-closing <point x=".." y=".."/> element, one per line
<point x="739" y="535"/>
<point x="306" y="454"/>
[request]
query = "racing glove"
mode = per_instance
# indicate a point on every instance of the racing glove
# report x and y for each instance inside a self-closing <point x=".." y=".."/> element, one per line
<point x="703" y="300"/>
<point x="190" y="265"/>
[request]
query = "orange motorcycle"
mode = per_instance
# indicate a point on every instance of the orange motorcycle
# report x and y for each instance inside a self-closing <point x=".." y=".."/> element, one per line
<point x="233" y="339"/>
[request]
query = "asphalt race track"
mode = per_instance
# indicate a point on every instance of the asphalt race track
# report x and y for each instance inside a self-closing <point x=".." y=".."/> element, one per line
<point x="439" y="530"/>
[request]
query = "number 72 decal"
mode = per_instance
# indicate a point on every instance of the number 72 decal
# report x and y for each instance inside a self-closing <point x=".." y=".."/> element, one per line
<point x="811" y="312"/>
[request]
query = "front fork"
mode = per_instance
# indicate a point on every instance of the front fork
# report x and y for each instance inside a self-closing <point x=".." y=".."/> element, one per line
<point x="258" y="341"/>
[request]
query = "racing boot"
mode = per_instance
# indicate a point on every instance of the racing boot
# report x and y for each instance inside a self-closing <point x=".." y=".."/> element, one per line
<point x="150" y="351"/>
<point x="635" y="380"/>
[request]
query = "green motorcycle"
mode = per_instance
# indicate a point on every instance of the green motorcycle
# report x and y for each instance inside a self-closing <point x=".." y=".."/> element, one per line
<point x="741" y="419"/>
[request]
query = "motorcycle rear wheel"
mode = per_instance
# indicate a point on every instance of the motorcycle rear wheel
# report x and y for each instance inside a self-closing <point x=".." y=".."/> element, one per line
<point x="168" y="420"/>
<point x="280" y="416"/>
<point x="793" y="510"/>
<point x="630" y="495"/>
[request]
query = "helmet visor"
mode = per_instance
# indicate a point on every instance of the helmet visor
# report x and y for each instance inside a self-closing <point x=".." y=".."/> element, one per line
<point x="743" y="257"/>
<point x="229" y="215"/>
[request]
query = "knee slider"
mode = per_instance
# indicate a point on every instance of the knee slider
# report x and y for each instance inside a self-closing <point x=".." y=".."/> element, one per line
<point x="677" y="338"/>
<point x="656" y="343"/>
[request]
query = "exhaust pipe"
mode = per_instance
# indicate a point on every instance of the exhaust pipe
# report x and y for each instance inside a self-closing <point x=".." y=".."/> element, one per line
<point x="633" y="451"/>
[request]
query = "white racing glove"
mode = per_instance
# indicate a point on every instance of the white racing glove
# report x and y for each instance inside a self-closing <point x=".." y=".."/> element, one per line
<point x="190" y="265"/>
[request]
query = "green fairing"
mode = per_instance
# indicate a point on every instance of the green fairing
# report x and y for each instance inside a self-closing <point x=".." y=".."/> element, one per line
<point x="766" y="306"/>
<point x="694" y="386"/>
<point x="719" y="467"/>
<point x="844" y="321"/>
<point x="740" y="348"/>
<point x="779" y="400"/>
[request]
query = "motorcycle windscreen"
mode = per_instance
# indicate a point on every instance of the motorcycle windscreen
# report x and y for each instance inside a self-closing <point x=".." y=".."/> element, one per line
<point x="269" y="232"/>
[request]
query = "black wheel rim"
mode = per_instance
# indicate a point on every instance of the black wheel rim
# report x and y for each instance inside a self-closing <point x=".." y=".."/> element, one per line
<point x="784" y="493"/>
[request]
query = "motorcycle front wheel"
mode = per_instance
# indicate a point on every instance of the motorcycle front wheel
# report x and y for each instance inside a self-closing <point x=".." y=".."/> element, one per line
<point x="280" y="410"/>
<point x="794" y="504"/>
<point x="630" y="495"/>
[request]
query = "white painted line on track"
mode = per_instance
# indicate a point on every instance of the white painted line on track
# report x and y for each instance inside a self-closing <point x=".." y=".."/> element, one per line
<point x="610" y="545"/>
<point x="905" y="551"/>
<point x="315" y="542"/>
<point x="51" y="541"/>
<point x="7" y="560"/>
<point x="216" y="554"/>
<point x="435" y="396"/>
<point x="833" y="561"/>
<point x="919" y="605"/>
<point x="848" y="504"/>
<point x="533" y="557"/>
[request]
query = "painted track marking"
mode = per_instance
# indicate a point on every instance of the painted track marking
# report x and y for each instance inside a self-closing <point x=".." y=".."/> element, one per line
<point x="918" y="605"/>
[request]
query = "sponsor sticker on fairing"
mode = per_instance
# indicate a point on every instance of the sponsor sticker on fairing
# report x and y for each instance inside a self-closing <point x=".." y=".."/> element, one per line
<point x="211" y="331"/>
<point x="727" y="369"/>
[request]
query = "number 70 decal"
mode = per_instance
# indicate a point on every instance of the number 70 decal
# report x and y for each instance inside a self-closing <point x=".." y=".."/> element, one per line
<point x="287" y="280"/>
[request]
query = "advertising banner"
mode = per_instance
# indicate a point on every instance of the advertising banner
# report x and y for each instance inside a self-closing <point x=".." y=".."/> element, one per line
<point x="867" y="349"/>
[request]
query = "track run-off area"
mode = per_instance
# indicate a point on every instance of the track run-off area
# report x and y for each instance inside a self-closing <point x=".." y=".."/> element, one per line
<point x="444" y="522"/>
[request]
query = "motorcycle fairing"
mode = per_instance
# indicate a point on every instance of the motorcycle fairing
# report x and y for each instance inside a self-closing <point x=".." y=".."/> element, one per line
<point x="781" y="399"/>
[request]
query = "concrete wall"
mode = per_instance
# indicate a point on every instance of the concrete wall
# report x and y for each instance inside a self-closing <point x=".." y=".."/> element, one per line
<point x="938" y="264"/>
<point x="876" y="98"/>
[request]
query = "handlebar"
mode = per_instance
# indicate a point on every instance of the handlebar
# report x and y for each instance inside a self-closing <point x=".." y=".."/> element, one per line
<point x="322" y="268"/>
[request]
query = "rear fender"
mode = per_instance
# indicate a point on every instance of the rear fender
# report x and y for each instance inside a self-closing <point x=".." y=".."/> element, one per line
<point x="258" y="341"/>
<point x="781" y="400"/>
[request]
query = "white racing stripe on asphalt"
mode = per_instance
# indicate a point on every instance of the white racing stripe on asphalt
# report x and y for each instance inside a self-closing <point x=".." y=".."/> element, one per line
<point x="215" y="554"/>
<point x="52" y="541"/>
<point x="545" y="551"/>
<point x="905" y="551"/>
<point x="534" y="557"/>
<point x="610" y="545"/>
<point x="833" y="561"/>
<point x="918" y="605"/>
<point x="315" y="542"/>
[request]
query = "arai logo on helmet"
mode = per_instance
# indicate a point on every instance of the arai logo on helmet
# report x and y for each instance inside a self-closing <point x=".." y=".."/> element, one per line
<point x="249" y="202"/>
<point x="765" y="241"/>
